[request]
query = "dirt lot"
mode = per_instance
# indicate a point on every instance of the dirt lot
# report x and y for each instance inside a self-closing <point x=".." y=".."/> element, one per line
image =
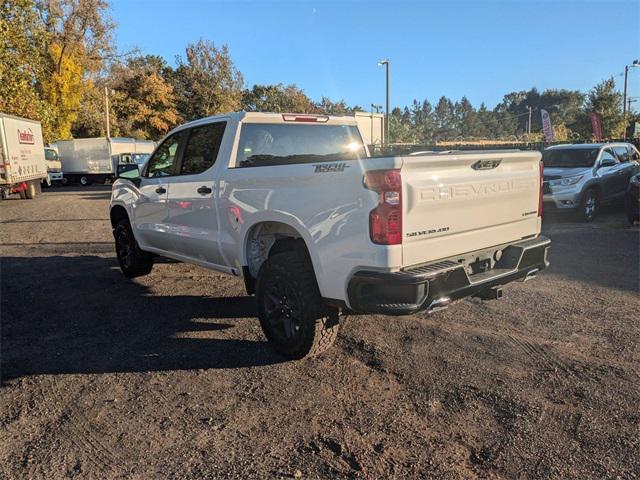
<point x="169" y="376"/>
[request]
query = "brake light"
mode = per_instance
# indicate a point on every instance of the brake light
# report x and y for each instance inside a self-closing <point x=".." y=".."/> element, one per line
<point x="540" y="194"/>
<point x="385" y="221"/>
<point x="305" y="118"/>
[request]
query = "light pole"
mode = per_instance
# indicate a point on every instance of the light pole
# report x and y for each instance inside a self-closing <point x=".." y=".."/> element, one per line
<point x="106" y="110"/>
<point x="635" y="63"/>
<point x="386" y="63"/>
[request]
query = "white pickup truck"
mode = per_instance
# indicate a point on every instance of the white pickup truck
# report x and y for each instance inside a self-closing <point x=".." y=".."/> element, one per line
<point x="294" y="204"/>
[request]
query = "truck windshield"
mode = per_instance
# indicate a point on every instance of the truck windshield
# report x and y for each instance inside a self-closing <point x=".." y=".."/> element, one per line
<point x="570" y="157"/>
<point x="284" y="144"/>
<point x="50" y="154"/>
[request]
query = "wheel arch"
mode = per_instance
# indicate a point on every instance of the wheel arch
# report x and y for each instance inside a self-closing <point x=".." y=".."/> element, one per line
<point x="117" y="213"/>
<point x="266" y="238"/>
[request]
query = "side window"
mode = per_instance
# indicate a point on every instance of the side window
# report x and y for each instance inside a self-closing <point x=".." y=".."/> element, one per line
<point x="164" y="160"/>
<point x="608" y="155"/>
<point x="202" y="148"/>
<point x="633" y="153"/>
<point x="622" y="153"/>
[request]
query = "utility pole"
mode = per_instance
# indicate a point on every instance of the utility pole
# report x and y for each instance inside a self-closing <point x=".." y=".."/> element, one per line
<point x="529" y="124"/>
<point x="635" y="63"/>
<point x="386" y="63"/>
<point x="106" y="109"/>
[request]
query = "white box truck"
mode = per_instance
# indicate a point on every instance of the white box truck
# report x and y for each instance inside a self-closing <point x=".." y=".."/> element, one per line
<point x="22" y="163"/>
<point x="89" y="160"/>
<point x="371" y="126"/>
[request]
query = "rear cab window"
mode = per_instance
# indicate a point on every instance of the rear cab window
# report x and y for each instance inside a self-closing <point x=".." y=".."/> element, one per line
<point x="266" y="144"/>
<point x="201" y="149"/>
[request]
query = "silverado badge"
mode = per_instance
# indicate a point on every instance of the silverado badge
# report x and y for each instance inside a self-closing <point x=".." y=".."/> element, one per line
<point x="486" y="164"/>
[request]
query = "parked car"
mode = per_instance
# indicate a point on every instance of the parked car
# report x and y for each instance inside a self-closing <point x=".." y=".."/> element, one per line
<point x="22" y="164"/>
<point x="632" y="199"/>
<point x="580" y="178"/>
<point x="294" y="205"/>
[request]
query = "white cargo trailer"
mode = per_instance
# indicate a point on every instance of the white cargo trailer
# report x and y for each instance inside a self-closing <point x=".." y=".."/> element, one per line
<point x="22" y="163"/>
<point x="88" y="160"/>
<point x="371" y="126"/>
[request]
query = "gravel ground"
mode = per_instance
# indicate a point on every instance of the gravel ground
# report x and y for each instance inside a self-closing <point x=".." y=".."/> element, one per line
<point x="169" y="376"/>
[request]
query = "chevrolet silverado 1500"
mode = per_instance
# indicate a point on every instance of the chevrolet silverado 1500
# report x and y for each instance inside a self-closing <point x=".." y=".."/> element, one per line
<point x="294" y="204"/>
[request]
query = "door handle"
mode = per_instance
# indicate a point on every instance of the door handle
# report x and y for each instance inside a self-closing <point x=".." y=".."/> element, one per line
<point x="161" y="190"/>
<point x="203" y="190"/>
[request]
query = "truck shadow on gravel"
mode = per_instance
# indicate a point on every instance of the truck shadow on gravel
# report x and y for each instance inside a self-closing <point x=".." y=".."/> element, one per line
<point x="69" y="315"/>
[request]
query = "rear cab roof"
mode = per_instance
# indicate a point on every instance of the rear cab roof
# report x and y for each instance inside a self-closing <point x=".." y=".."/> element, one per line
<point x="269" y="117"/>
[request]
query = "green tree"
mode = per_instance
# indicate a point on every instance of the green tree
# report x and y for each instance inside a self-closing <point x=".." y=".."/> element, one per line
<point x="606" y="101"/>
<point x="277" y="98"/>
<point x="78" y="34"/>
<point x="466" y="119"/>
<point x="22" y="63"/>
<point x="400" y="130"/>
<point x="444" y="115"/>
<point x="423" y="122"/>
<point x="207" y="81"/>
<point x="144" y="104"/>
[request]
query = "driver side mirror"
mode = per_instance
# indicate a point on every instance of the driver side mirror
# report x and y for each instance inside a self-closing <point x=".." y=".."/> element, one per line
<point x="129" y="171"/>
<point x="607" y="162"/>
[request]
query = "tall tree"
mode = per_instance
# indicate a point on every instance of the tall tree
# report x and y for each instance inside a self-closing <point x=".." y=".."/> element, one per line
<point x="22" y="63"/>
<point x="466" y="118"/>
<point x="207" y="81"/>
<point x="423" y="122"/>
<point x="277" y="98"/>
<point x="144" y="102"/>
<point x="78" y="34"/>
<point x="445" y="119"/>
<point x="606" y="101"/>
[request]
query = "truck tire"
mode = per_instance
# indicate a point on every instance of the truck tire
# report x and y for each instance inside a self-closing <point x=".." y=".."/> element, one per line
<point x="589" y="205"/>
<point x="133" y="261"/>
<point x="85" y="180"/>
<point x="292" y="314"/>
<point x="32" y="189"/>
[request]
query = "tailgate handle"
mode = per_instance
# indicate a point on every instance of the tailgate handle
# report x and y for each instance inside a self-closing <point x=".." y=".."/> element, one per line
<point x="203" y="190"/>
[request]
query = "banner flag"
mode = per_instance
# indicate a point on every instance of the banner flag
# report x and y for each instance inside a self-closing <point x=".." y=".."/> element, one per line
<point x="596" y="124"/>
<point x="546" y="126"/>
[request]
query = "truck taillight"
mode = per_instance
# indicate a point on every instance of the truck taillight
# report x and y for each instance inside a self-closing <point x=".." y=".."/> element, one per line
<point x="540" y="194"/>
<point x="385" y="221"/>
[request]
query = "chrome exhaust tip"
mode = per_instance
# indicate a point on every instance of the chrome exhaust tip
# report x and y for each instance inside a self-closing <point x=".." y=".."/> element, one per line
<point x="441" y="303"/>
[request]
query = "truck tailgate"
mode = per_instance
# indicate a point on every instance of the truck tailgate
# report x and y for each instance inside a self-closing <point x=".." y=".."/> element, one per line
<point x="461" y="202"/>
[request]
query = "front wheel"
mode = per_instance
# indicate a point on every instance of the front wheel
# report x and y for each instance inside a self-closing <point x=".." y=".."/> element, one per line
<point x="133" y="261"/>
<point x="292" y="314"/>
<point x="589" y="206"/>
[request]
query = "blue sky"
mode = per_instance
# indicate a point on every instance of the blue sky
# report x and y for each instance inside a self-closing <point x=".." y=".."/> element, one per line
<point x="475" y="48"/>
